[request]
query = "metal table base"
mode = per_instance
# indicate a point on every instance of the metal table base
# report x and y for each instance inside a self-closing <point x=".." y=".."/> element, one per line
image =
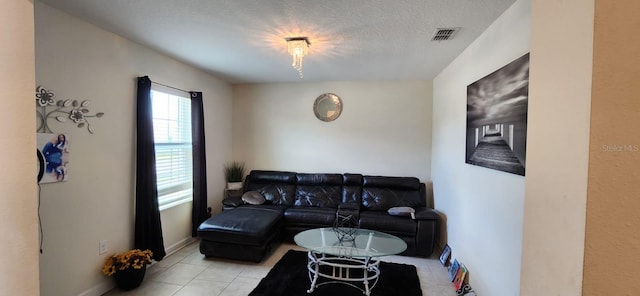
<point x="343" y="270"/>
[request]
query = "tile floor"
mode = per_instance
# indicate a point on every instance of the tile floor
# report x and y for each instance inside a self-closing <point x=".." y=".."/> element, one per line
<point x="188" y="273"/>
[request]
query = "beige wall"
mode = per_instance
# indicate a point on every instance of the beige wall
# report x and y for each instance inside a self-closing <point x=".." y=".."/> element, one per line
<point x="176" y="226"/>
<point x="612" y="248"/>
<point x="483" y="207"/>
<point x="557" y="148"/>
<point x="80" y="61"/>
<point x="18" y="216"/>
<point x="384" y="129"/>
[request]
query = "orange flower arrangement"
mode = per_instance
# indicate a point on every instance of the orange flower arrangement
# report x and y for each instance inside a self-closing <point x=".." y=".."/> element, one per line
<point x="134" y="258"/>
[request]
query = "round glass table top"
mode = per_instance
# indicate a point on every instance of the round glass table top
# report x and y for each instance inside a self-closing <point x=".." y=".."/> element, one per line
<point x="364" y="243"/>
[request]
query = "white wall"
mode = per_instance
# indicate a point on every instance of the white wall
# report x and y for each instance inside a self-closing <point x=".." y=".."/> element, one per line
<point x="483" y="207"/>
<point x="18" y="216"/>
<point x="80" y="61"/>
<point x="384" y="128"/>
<point x="558" y="147"/>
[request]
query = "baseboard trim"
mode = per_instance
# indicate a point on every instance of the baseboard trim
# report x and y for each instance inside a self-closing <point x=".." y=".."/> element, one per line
<point x="179" y="245"/>
<point x="99" y="289"/>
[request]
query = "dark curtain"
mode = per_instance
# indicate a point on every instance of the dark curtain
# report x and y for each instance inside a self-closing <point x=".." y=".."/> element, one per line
<point x="199" y="212"/>
<point x="148" y="230"/>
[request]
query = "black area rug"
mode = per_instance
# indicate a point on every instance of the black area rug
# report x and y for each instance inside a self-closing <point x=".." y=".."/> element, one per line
<point x="289" y="277"/>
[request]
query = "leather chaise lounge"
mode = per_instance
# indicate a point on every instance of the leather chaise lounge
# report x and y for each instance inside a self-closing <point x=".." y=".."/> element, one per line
<point x="295" y="202"/>
<point x="244" y="234"/>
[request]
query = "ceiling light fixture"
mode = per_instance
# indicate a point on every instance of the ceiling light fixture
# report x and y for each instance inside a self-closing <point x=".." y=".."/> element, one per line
<point x="298" y="48"/>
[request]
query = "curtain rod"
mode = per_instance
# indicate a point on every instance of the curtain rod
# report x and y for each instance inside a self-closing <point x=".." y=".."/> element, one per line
<point x="182" y="90"/>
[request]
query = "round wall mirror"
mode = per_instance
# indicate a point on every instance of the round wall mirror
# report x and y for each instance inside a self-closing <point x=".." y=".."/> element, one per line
<point x="327" y="107"/>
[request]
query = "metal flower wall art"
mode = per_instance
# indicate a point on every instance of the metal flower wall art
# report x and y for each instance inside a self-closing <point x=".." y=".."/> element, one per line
<point x="68" y="110"/>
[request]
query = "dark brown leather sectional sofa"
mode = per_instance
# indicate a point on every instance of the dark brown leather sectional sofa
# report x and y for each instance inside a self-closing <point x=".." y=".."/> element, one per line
<point x="300" y="201"/>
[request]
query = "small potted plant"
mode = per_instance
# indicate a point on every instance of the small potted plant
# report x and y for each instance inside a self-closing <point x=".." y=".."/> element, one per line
<point x="128" y="268"/>
<point x="234" y="173"/>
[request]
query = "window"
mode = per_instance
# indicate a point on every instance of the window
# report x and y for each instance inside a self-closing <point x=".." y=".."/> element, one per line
<point x="172" y="136"/>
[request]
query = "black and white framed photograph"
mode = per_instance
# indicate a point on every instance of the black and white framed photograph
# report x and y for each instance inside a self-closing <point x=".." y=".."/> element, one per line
<point x="444" y="257"/>
<point x="497" y="118"/>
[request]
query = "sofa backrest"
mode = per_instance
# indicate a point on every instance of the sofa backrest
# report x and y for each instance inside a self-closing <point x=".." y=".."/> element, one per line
<point x="318" y="190"/>
<point x="277" y="187"/>
<point x="331" y="190"/>
<point x="352" y="189"/>
<point x="382" y="193"/>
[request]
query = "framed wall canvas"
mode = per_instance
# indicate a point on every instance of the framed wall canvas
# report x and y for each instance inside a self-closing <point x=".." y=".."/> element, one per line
<point x="53" y="155"/>
<point x="497" y="118"/>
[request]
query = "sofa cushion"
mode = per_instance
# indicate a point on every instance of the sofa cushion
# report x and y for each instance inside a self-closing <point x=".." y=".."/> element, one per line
<point x="318" y="190"/>
<point x="244" y="225"/>
<point x="253" y="198"/>
<point x="399" y="183"/>
<point x="310" y="216"/>
<point x="232" y="202"/>
<point x="382" y="193"/>
<point x="402" y="212"/>
<point x="352" y="189"/>
<point x="277" y="187"/>
<point x="382" y="221"/>
<point x="278" y="208"/>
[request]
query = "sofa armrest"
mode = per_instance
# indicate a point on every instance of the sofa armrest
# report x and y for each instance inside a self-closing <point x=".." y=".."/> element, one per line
<point x="426" y="214"/>
<point x="428" y="220"/>
<point x="233" y="201"/>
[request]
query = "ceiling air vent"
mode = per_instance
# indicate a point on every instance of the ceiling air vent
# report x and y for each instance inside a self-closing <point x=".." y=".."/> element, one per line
<point x="443" y="34"/>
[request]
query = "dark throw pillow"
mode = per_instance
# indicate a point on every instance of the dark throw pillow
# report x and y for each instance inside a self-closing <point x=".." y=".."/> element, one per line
<point x="253" y="198"/>
<point x="402" y="211"/>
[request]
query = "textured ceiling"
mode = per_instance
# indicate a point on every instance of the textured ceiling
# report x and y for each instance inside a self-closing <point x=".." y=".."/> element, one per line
<point x="242" y="41"/>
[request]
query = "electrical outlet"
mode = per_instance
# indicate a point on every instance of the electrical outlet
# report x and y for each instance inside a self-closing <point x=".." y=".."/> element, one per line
<point x="102" y="247"/>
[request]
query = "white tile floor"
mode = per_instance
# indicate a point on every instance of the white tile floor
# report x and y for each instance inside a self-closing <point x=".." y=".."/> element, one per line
<point x="188" y="273"/>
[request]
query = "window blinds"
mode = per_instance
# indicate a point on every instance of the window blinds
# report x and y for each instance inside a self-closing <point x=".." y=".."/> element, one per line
<point x="172" y="136"/>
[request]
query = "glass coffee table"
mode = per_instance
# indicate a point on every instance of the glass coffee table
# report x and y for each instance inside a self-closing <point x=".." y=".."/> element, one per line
<point x="347" y="256"/>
